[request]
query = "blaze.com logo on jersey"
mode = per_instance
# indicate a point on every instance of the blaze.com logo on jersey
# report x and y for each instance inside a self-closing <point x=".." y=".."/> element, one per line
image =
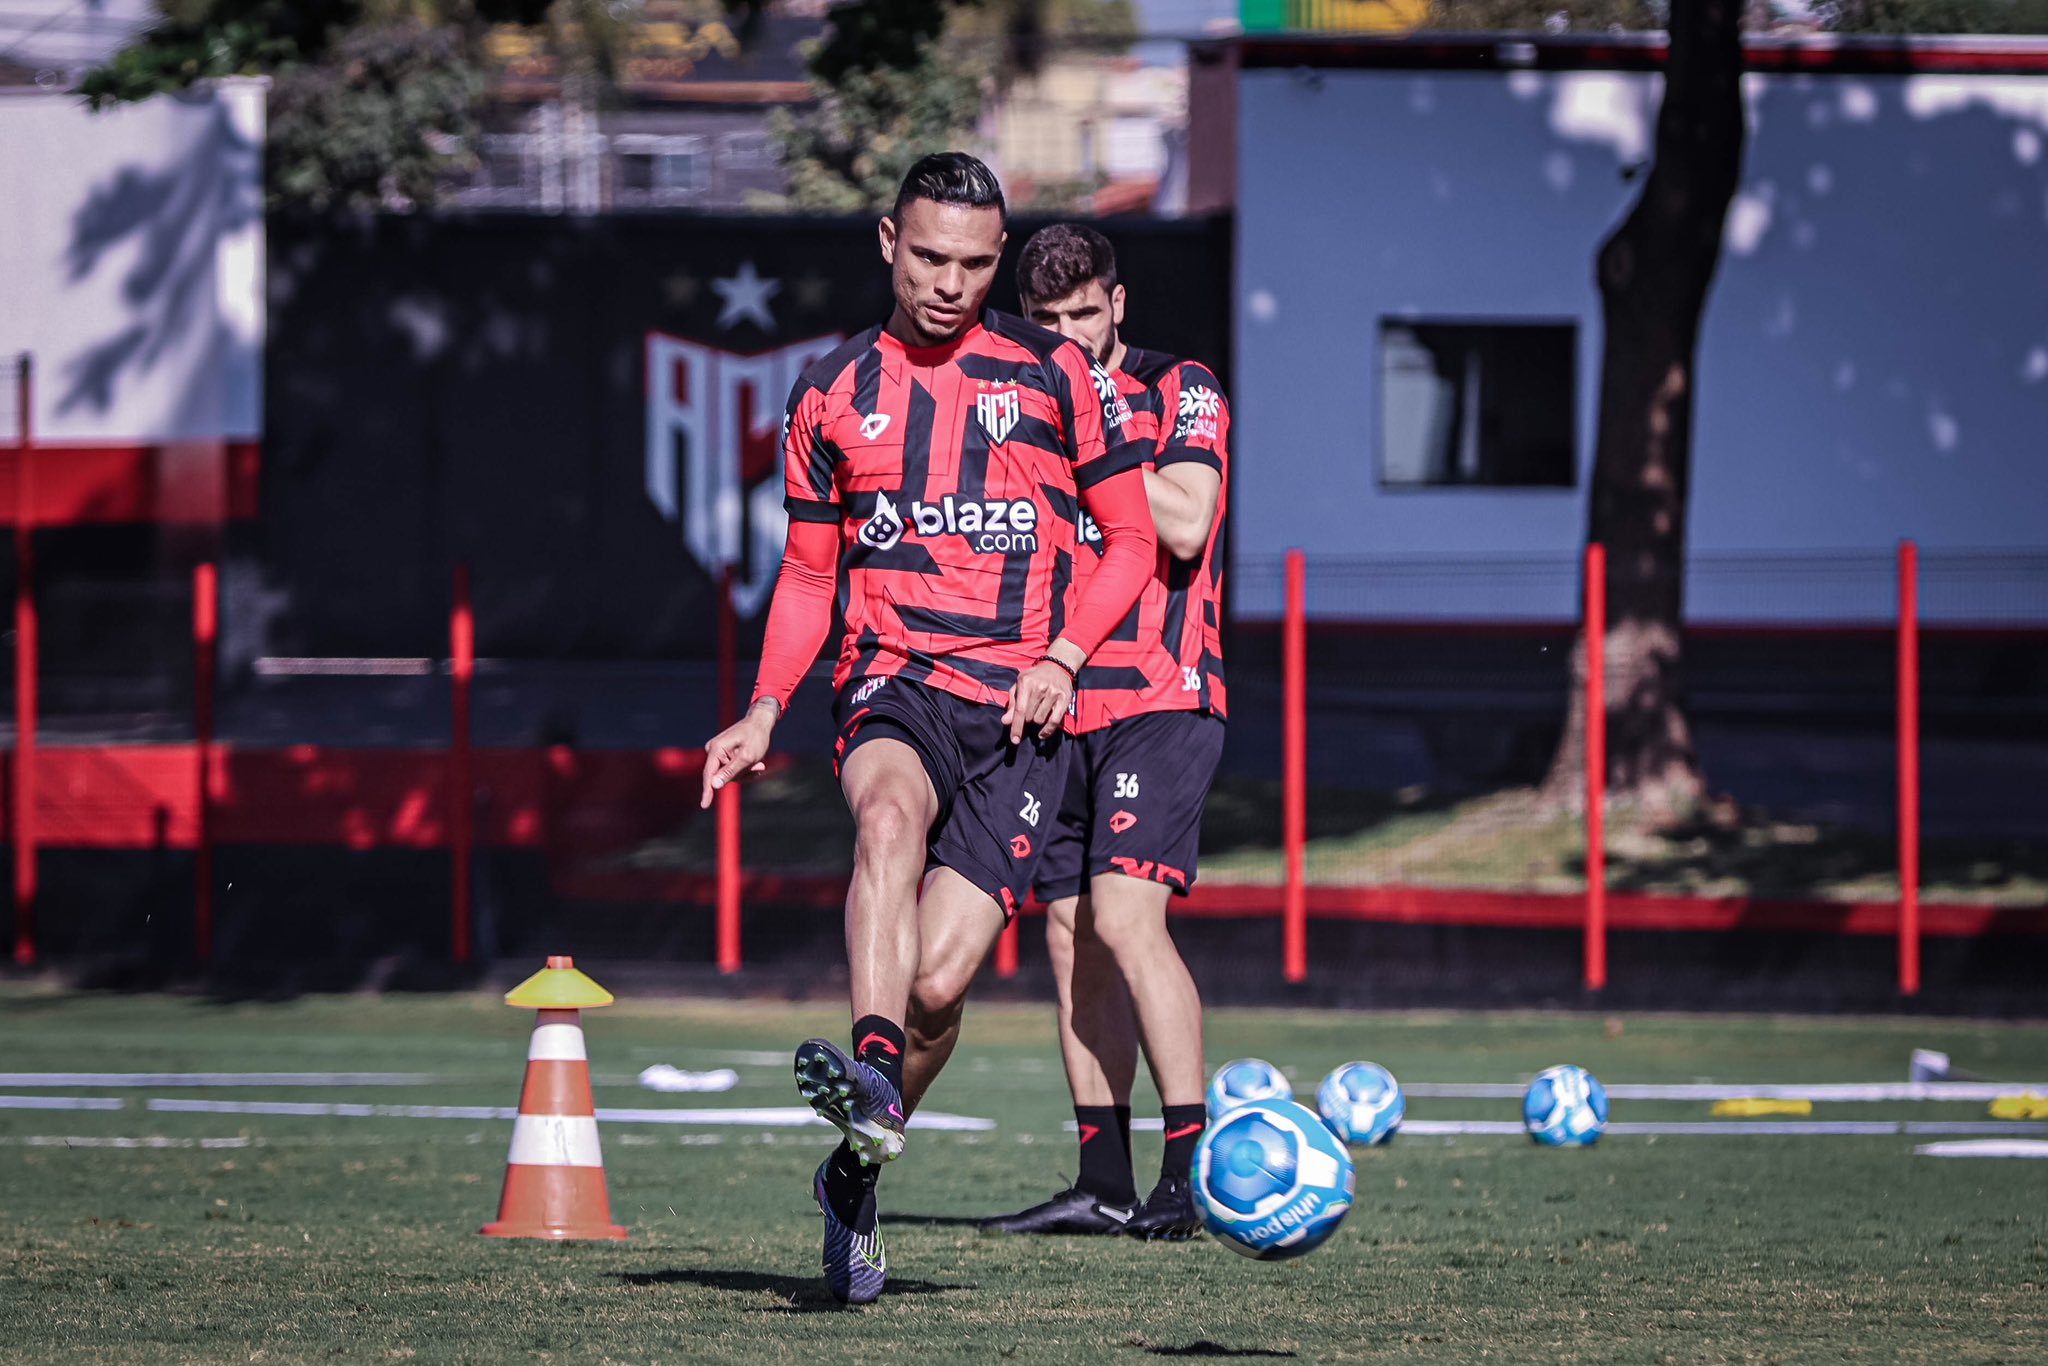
<point x="992" y="526"/>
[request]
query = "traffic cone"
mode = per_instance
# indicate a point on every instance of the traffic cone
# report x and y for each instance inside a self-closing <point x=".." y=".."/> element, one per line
<point x="554" y="1178"/>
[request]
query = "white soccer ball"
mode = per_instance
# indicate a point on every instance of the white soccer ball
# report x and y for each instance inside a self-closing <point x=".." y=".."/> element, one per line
<point x="1361" y="1102"/>
<point x="1565" y="1107"/>
<point x="1243" y="1082"/>
<point x="1272" y="1181"/>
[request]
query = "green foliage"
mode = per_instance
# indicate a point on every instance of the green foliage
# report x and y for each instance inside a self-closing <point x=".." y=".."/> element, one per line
<point x="196" y="42"/>
<point x="1938" y="16"/>
<point x="1545" y="16"/>
<point x="372" y="101"/>
<point x="376" y="125"/>
<point x="848" y="153"/>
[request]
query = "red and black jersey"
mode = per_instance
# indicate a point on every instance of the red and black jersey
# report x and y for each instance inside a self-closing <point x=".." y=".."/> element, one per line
<point x="1167" y="655"/>
<point x="954" y="474"/>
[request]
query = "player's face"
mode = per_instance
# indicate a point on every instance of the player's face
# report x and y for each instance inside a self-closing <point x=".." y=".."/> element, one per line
<point x="942" y="260"/>
<point x="1090" y="316"/>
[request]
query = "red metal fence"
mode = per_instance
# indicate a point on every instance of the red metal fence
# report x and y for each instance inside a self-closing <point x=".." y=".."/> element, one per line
<point x="207" y="794"/>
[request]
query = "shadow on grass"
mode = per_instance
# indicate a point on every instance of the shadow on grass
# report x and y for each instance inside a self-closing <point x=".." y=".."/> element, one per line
<point x="1760" y="855"/>
<point x="1202" y="1347"/>
<point x="937" y="1220"/>
<point x="803" y="1294"/>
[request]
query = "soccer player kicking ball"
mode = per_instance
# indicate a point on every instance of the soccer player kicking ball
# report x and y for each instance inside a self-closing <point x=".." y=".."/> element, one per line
<point x="936" y="470"/>
<point x="1150" y="731"/>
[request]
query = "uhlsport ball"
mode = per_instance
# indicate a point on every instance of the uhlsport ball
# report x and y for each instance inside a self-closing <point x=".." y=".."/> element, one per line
<point x="1564" y="1107"/>
<point x="1243" y="1082"/>
<point x="1361" y="1102"/>
<point x="1273" y="1182"/>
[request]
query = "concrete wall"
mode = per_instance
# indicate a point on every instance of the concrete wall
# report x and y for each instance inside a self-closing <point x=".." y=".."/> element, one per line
<point x="131" y="264"/>
<point x="1874" y="365"/>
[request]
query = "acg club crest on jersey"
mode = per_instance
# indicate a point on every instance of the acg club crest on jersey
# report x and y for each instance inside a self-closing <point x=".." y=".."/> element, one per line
<point x="997" y="407"/>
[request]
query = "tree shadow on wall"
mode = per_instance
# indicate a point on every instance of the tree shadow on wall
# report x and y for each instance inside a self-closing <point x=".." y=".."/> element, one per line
<point x="168" y="221"/>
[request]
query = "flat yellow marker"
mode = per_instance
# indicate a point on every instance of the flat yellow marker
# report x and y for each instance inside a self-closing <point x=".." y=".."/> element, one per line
<point x="2025" y="1105"/>
<point x="1748" y="1107"/>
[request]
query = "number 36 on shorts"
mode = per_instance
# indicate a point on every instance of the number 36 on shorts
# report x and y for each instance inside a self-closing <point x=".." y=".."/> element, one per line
<point x="1126" y="785"/>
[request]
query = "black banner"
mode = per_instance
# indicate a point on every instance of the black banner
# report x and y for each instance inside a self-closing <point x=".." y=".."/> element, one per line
<point x="565" y="404"/>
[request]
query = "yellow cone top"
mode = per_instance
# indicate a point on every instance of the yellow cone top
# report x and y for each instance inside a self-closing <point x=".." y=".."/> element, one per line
<point x="558" y="986"/>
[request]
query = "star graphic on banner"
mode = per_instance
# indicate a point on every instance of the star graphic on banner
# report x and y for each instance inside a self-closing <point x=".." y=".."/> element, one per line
<point x="746" y="296"/>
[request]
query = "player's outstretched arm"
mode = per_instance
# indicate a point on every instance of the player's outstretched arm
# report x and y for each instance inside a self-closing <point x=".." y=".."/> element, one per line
<point x="799" y="618"/>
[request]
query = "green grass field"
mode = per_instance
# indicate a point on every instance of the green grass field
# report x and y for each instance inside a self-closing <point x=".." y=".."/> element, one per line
<point x="281" y="1238"/>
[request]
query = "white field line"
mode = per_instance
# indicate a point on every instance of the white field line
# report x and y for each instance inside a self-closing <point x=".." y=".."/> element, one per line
<point x="129" y="1079"/>
<point x="1831" y="1092"/>
<point x="1431" y="1128"/>
<point x="2012" y="1147"/>
<point x="780" y="1117"/>
<point x="150" y="1141"/>
<point x="61" y="1102"/>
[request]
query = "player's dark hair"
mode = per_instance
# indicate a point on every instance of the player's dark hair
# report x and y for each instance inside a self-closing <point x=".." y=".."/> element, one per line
<point x="951" y="178"/>
<point x="1061" y="259"/>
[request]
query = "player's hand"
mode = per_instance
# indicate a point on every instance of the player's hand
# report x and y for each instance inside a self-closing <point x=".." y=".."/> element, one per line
<point x="1039" y="701"/>
<point x="739" y="749"/>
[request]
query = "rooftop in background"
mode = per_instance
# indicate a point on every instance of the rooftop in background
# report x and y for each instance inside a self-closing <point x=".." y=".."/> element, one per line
<point x="57" y="40"/>
<point x="1786" y="52"/>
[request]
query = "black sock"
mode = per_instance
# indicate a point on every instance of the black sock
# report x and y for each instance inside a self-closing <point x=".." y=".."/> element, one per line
<point x="848" y="1183"/>
<point x="1105" y="1155"/>
<point x="1183" y="1124"/>
<point x="878" y="1042"/>
<point x="1123" y="1131"/>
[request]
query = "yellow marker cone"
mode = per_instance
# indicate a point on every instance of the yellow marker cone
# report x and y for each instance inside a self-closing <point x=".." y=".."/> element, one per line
<point x="1751" y="1106"/>
<point x="558" y="986"/>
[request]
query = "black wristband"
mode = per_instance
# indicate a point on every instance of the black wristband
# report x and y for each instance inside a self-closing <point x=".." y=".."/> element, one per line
<point x="1073" y="673"/>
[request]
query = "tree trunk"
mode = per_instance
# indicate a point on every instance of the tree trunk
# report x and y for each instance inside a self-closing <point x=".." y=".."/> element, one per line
<point x="1654" y="273"/>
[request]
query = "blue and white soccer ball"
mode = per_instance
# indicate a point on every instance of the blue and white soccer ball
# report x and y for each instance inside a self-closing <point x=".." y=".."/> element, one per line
<point x="1565" y="1107"/>
<point x="1272" y="1181"/>
<point x="1243" y="1082"/>
<point x="1361" y="1102"/>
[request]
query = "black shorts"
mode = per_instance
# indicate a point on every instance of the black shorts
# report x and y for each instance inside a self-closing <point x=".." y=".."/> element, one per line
<point x="1133" y="803"/>
<point x="997" y="801"/>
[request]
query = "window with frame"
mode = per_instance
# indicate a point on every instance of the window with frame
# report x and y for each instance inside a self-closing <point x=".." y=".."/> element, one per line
<point x="660" y="168"/>
<point x="1478" y="404"/>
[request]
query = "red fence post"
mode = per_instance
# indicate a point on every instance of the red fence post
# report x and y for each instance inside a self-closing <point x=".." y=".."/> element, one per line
<point x="461" y="786"/>
<point x="1294" y="767"/>
<point x="1596" y="766"/>
<point x="1909" y="769"/>
<point x="205" y="632"/>
<point x="728" y="800"/>
<point x="25" y="651"/>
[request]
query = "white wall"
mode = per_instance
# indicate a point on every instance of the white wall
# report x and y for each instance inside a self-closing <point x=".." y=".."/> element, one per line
<point x="131" y="264"/>
<point x="1874" y="364"/>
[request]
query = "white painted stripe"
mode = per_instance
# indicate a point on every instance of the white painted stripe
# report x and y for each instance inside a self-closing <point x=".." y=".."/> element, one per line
<point x="151" y="1141"/>
<point x="557" y="1043"/>
<point x="2011" y="1147"/>
<point x="555" y="1141"/>
<point x="783" y="1117"/>
<point x="163" y="1105"/>
<point x="1979" y="1092"/>
<point x="127" y="1079"/>
<point x="780" y="1117"/>
<point x="61" y="1102"/>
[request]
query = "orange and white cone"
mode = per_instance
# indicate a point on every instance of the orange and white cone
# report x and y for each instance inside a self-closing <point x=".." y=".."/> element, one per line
<point x="554" y="1178"/>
